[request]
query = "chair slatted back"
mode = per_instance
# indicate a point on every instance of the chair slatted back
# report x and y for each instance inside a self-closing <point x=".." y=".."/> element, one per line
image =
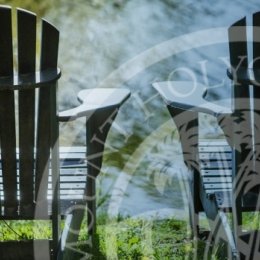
<point x="25" y="183"/>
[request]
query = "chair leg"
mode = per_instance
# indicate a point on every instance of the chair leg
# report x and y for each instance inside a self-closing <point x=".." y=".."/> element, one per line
<point x="187" y="125"/>
<point x="70" y="234"/>
<point x="98" y="126"/>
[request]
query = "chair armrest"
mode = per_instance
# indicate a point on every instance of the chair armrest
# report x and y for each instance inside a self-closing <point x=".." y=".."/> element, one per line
<point x="30" y="80"/>
<point x="245" y="76"/>
<point x="187" y="96"/>
<point x="93" y="100"/>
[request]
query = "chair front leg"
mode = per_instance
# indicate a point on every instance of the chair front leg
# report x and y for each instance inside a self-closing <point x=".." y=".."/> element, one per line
<point x="98" y="126"/>
<point x="187" y="124"/>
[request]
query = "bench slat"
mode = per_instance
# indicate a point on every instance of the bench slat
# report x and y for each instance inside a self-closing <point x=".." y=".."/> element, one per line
<point x="216" y="173"/>
<point x="218" y="185"/>
<point x="216" y="156"/>
<point x="221" y="179"/>
<point x="216" y="164"/>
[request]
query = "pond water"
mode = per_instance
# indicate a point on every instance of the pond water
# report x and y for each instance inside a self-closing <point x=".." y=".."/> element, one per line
<point x="131" y="44"/>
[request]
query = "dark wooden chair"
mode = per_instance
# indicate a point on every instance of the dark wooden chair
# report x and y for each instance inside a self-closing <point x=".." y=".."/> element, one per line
<point x="224" y="173"/>
<point x="38" y="179"/>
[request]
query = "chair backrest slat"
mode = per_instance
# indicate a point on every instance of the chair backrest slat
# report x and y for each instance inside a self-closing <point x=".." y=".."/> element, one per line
<point x="8" y="152"/>
<point x="7" y="116"/>
<point x="26" y="26"/>
<point x="50" y="44"/>
<point x="256" y="91"/>
<point x="238" y="43"/>
<point x="241" y="93"/>
<point x="6" y="44"/>
<point x="42" y="146"/>
<point x="49" y="56"/>
<point x="256" y="40"/>
<point x="26" y="23"/>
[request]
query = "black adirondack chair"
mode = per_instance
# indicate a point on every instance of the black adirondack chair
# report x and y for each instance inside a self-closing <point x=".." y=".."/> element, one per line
<point x="35" y="183"/>
<point x="224" y="173"/>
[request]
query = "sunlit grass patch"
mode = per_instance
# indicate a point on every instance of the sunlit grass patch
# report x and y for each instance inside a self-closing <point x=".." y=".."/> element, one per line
<point x="24" y="229"/>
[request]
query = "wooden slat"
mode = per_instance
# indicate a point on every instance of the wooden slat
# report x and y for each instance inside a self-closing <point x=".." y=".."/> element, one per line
<point x="210" y="191"/>
<point x="66" y="187"/>
<point x="256" y="40"/>
<point x="43" y="132"/>
<point x="242" y="117"/>
<point x="49" y="59"/>
<point x="217" y="173"/>
<point x="218" y="186"/>
<point x="26" y="24"/>
<point x="49" y="54"/>
<point x="6" y="45"/>
<point x="43" y="146"/>
<point x="73" y="149"/>
<point x="215" y="156"/>
<point x="8" y="142"/>
<point x="7" y="118"/>
<point x="214" y="149"/>
<point x="71" y="186"/>
<point x="65" y="154"/>
<point x="238" y="44"/>
<point x="49" y="48"/>
<point x="68" y="192"/>
<point x="239" y="59"/>
<point x="221" y="179"/>
<point x="216" y="164"/>
<point x="256" y="91"/>
<point x="64" y="179"/>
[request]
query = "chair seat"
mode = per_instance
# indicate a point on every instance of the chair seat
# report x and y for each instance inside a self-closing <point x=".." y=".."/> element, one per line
<point x="73" y="172"/>
<point x="216" y="175"/>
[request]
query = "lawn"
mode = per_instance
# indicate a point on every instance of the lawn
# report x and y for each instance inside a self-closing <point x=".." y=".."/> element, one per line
<point x="123" y="238"/>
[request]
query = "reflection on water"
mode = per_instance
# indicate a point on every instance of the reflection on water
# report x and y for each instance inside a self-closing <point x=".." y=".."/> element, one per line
<point x="99" y="37"/>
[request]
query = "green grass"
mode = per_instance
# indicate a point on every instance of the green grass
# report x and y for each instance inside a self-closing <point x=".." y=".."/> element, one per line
<point x="121" y="238"/>
<point x="128" y="238"/>
<point x="19" y="230"/>
<point x="146" y="239"/>
<point x="142" y="239"/>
